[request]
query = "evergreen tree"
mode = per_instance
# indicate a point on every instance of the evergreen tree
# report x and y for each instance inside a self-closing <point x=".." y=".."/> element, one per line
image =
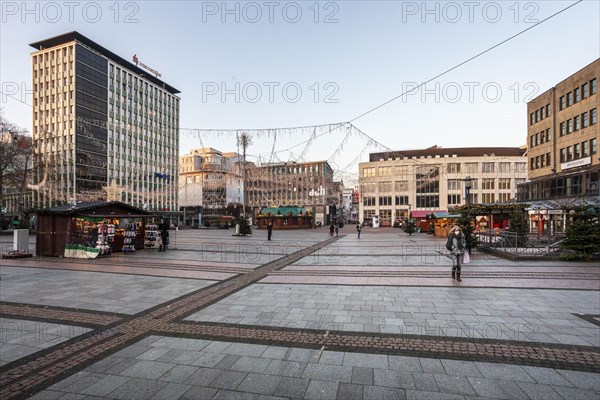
<point x="410" y="227"/>
<point x="245" y="228"/>
<point x="468" y="230"/>
<point x="519" y="228"/>
<point x="582" y="236"/>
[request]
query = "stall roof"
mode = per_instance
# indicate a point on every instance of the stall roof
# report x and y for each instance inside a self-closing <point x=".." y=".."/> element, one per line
<point x="444" y="214"/>
<point x="564" y="204"/>
<point x="98" y="209"/>
<point x="486" y="207"/>
<point x="424" y="213"/>
<point x="283" y="211"/>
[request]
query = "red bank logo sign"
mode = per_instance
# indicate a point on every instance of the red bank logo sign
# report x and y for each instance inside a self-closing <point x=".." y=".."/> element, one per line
<point x="141" y="64"/>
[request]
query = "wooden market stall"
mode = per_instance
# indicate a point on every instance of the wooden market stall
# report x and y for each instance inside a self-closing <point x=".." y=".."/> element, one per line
<point x="443" y="222"/>
<point x="90" y="229"/>
<point x="421" y="219"/>
<point x="489" y="217"/>
<point x="285" y="218"/>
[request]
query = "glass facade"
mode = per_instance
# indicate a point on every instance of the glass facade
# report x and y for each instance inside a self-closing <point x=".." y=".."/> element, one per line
<point x="584" y="184"/>
<point x="91" y="132"/>
<point x="428" y="186"/>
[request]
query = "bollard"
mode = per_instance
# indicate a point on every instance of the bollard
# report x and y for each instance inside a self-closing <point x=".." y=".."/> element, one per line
<point x="21" y="240"/>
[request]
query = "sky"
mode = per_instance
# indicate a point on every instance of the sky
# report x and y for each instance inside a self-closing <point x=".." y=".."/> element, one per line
<point x="245" y="65"/>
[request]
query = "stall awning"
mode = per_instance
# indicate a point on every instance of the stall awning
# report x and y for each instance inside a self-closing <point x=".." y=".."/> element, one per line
<point x="564" y="204"/>
<point x="424" y="213"/>
<point x="444" y="214"/>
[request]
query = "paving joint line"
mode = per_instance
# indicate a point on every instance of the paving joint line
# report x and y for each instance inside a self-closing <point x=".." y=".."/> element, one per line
<point x="58" y="315"/>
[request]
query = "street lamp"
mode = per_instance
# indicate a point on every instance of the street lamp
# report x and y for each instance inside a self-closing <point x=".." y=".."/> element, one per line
<point x="468" y="186"/>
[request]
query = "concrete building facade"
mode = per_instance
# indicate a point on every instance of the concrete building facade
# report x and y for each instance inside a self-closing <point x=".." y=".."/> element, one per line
<point x="100" y="120"/>
<point x="397" y="185"/>
<point x="210" y="180"/>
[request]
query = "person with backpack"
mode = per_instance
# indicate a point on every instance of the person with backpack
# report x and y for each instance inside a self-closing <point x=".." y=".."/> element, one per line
<point x="456" y="244"/>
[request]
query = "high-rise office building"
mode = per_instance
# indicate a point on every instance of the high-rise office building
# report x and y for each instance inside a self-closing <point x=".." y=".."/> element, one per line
<point x="98" y="121"/>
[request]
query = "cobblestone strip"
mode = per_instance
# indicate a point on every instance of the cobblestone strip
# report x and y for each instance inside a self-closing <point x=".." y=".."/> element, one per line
<point x="570" y="357"/>
<point x="443" y="274"/>
<point x="35" y="374"/>
<point x="56" y="315"/>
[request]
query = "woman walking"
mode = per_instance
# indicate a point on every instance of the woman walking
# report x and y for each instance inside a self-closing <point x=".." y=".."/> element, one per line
<point x="456" y="245"/>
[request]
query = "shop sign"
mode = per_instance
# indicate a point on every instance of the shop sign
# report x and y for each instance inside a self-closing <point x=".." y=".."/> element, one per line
<point x="576" y="163"/>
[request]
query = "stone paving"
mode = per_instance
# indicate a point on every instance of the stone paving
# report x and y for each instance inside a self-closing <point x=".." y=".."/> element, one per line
<point x="20" y="338"/>
<point x="291" y="319"/>
<point x="545" y="316"/>
<point x="178" y="368"/>
<point x="126" y="294"/>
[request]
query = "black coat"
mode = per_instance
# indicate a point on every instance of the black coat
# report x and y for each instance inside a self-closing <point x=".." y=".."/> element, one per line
<point x="460" y="239"/>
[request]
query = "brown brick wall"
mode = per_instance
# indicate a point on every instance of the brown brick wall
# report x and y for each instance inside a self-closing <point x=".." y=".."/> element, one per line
<point x="552" y="97"/>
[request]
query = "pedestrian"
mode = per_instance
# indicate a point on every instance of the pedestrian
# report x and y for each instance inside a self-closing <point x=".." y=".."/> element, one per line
<point x="456" y="244"/>
<point x="269" y="229"/>
<point x="331" y="229"/>
<point x="159" y="240"/>
<point x="337" y="229"/>
<point x="358" y="229"/>
<point x="164" y="234"/>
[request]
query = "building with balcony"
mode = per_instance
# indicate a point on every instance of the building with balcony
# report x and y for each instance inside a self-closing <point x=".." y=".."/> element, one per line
<point x="100" y="120"/>
<point x="413" y="183"/>
<point x="564" y="165"/>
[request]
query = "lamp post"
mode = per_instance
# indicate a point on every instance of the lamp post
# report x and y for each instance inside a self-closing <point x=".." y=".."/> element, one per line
<point x="468" y="186"/>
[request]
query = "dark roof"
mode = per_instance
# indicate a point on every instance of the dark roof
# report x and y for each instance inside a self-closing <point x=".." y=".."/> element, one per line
<point x="76" y="36"/>
<point x="450" y="151"/>
<point x="86" y="206"/>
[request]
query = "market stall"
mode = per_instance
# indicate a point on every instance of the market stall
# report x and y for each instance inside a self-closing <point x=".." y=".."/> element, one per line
<point x="285" y="218"/>
<point x="491" y="216"/>
<point x="443" y="222"/>
<point x="421" y="219"/>
<point x="90" y="229"/>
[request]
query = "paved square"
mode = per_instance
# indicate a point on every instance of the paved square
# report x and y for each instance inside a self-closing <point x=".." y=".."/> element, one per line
<point x="545" y="316"/>
<point x="342" y="318"/>
<point x="125" y="294"/>
<point x="319" y="374"/>
<point x="20" y="338"/>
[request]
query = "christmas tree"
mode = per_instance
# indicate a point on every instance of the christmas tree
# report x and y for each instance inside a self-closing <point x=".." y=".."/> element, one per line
<point x="519" y="229"/>
<point x="410" y="227"/>
<point x="464" y="222"/>
<point x="245" y="228"/>
<point x="582" y="235"/>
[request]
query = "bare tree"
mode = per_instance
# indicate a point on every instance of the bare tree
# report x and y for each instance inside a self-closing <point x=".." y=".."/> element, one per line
<point x="15" y="158"/>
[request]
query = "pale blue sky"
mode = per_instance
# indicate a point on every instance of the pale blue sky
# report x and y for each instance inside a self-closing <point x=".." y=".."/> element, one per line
<point x="368" y="56"/>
